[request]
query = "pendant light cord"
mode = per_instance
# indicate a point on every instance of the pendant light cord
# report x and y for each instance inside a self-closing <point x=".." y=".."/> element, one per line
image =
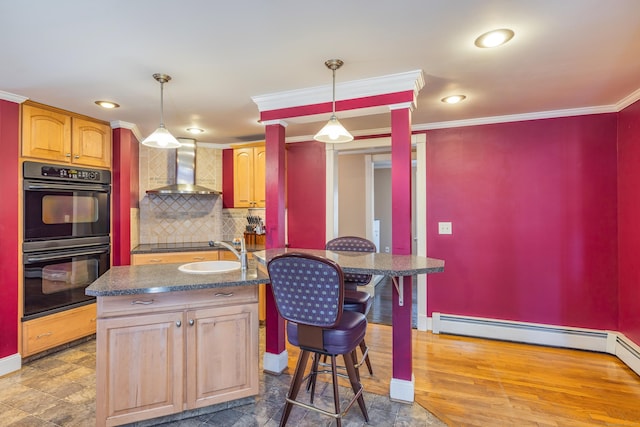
<point x="333" y="114"/>
<point x="161" y="104"/>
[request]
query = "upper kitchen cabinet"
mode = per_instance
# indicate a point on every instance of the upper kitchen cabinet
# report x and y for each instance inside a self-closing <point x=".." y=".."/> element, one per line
<point x="249" y="177"/>
<point x="59" y="136"/>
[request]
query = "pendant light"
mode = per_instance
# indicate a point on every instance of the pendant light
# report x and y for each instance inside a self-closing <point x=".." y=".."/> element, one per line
<point x="333" y="131"/>
<point x="161" y="137"/>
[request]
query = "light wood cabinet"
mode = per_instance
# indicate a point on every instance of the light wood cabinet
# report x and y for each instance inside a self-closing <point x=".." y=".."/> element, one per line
<point x="174" y="257"/>
<point x="159" y="354"/>
<point x="54" y="330"/>
<point x="249" y="177"/>
<point x="56" y="135"/>
<point x="90" y="143"/>
<point x="144" y="367"/>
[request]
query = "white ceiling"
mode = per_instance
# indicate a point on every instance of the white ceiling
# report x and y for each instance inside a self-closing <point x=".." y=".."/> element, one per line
<point x="566" y="54"/>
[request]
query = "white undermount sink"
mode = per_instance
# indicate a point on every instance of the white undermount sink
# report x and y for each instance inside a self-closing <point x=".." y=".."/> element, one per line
<point x="208" y="267"/>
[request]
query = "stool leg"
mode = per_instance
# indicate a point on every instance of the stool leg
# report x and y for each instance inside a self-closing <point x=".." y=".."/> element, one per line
<point x="313" y="375"/>
<point x="336" y="397"/>
<point x="364" y="348"/>
<point x="356" y="386"/>
<point x="296" y="382"/>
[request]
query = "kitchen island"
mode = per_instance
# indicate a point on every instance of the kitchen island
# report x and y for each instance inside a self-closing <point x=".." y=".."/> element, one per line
<point x="174" y="344"/>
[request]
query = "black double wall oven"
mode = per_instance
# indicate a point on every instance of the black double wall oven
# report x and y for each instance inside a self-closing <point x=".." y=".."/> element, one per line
<point x="66" y="235"/>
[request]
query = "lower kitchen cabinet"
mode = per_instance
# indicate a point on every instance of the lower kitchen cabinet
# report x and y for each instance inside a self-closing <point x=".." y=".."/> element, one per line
<point x="57" y="329"/>
<point x="173" y="257"/>
<point x="160" y="354"/>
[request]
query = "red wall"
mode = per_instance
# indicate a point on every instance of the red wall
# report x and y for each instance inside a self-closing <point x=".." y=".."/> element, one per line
<point x="533" y="207"/>
<point x="227" y="178"/>
<point x="9" y="245"/>
<point x="306" y="203"/>
<point x="628" y="220"/>
<point x="125" y="188"/>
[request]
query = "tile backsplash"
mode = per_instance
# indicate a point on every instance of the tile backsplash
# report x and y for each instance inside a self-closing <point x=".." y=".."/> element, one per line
<point x="234" y="221"/>
<point x="179" y="218"/>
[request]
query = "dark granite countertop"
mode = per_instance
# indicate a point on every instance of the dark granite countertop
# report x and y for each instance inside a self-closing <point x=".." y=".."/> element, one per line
<point x="151" y="248"/>
<point x="146" y="279"/>
<point x="366" y="262"/>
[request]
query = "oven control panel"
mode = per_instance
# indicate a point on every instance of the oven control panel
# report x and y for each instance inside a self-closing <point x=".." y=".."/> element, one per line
<point x="81" y="174"/>
<point x="36" y="170"/>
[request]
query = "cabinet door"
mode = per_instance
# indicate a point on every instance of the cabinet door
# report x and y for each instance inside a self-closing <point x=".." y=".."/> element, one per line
<point x="222" y="354"/>
<point x="46" y="134"/>
<point x="140" y="366"/>
<point x="259" y="176"/>
<point x="91" y="143"/>
<point x="243" y="177"/>
<point x="174" y="257"/>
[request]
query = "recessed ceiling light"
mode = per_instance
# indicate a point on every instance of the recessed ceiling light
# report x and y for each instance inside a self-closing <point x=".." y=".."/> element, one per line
<point x="195" y="130"/>
<point x="494" y="38"/>
<point x="453" y="99"/>
<point x="107" y="104"/>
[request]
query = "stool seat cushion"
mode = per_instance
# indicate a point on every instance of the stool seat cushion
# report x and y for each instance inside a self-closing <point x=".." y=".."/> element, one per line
<point x="359" y="301"/>
<point x="340" y="340"/>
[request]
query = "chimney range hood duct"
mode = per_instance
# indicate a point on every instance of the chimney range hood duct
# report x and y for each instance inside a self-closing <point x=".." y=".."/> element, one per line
<point x="185" y="172"/>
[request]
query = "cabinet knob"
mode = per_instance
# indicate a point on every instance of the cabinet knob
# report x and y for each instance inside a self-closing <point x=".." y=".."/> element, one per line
<point x="76" y="156"/>
<point x="178" y="323"/>
<point x="67" y="155"/>
<point x="191" y="322"/>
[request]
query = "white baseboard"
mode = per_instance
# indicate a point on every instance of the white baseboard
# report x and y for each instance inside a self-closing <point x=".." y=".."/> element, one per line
<point x="424" y="323"/>
<point x="10" y="364"/>
<point x="535" y="333"/>
<point x="275" y="363"/>
<point x="402" y="390"/>
<point x="628" y="352"/>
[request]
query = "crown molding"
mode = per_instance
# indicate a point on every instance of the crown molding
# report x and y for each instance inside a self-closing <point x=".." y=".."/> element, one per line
<point x="517" y="117"/>
<point x="392" y="83"/>
<point x="115" y="124"/>
<point x="12" y="97"/>
<point x="628" y="100"/>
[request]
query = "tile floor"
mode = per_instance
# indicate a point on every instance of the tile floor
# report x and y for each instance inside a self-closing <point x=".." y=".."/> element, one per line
<point x="59" y="390"/>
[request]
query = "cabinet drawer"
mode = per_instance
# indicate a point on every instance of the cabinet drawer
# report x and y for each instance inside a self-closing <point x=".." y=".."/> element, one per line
<point x="173" y="257"/>
<point x="149" y="303"/>
<point x="60" y="328"/>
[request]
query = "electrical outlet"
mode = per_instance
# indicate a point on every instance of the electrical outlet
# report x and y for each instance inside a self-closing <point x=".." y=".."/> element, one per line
<point x="386" y="249"/>
<point x="444" y="228"/>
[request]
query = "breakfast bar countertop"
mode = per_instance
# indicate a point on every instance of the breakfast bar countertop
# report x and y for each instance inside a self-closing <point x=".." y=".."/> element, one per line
<point x="148" y="279"/>
<point x="366" y="262"/>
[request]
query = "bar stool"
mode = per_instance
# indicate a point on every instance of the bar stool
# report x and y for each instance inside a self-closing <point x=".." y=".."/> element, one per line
<point x="309" y="294"/>
<point x="355" y="300"/>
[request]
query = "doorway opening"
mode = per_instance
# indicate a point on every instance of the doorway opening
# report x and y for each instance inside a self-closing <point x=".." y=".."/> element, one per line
<point x="351" y="171"/>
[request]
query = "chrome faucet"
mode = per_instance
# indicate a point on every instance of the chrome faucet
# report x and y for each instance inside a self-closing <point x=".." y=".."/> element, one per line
<point x="242" y="255"/>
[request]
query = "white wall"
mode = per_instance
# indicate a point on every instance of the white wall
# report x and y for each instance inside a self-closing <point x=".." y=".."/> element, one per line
<point x="351" y="195"/>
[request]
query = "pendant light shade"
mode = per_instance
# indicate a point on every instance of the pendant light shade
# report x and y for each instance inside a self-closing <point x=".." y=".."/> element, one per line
<point x="161" y="137"/>
<point x="333" y="131"/>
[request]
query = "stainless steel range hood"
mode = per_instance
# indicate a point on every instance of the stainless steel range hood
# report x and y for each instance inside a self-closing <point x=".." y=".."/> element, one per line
<point x="185" y="173"/>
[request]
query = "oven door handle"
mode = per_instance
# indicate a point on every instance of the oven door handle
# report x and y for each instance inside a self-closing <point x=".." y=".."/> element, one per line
<point x="30" y="259"/>
<point x="30" y="185"/>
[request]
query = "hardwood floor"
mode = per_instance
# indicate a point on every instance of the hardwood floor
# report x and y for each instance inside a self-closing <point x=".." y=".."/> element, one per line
<point x="471" y="382"/>
<point x="475" y="382"/>
<point x="380" y="312"/>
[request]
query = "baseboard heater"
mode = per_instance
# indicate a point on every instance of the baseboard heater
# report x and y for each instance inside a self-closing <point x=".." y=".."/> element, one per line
<point x="540" y="334"/>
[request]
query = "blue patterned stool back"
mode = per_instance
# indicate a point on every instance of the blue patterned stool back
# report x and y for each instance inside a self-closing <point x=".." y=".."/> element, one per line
<point x="307" y="289"/>
<point x="352" y="244"/>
